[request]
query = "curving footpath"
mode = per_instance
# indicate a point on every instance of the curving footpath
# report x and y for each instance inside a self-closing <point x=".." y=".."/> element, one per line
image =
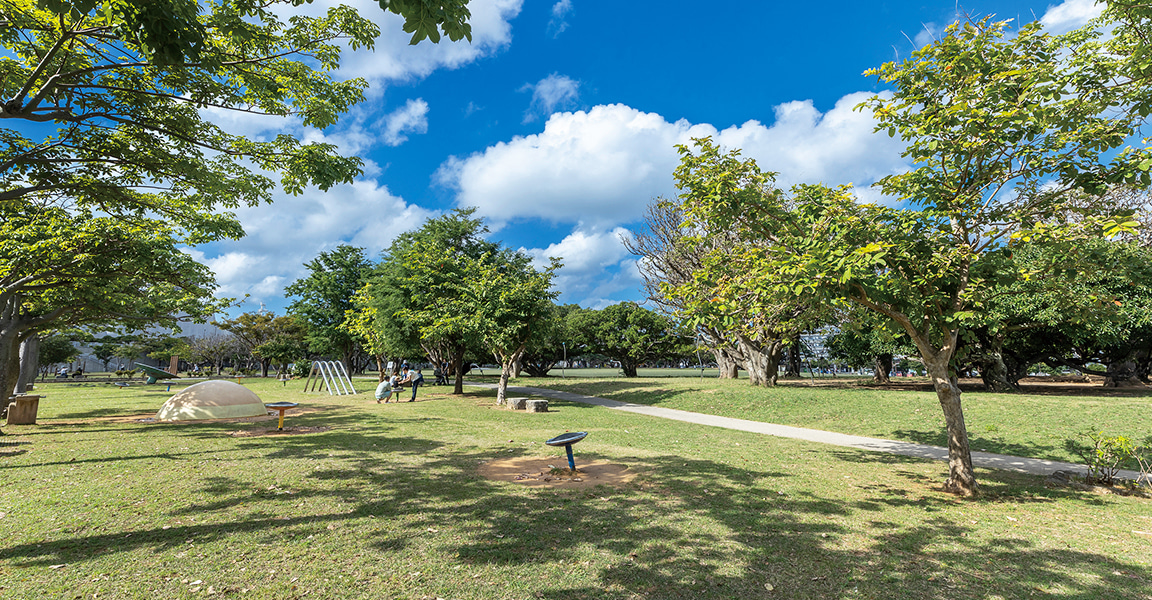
<point x="1020" y="464"/>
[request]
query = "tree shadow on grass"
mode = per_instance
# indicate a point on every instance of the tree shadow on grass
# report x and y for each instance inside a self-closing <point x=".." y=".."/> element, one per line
<point x="95" y="413"/>
<point x="985" y="443"/>
<point x="693" y="528"/>
<point x="637" y="392"/>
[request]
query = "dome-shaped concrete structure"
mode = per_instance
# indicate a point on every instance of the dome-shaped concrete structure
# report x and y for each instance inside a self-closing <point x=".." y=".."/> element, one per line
<point x="215" y="399"/>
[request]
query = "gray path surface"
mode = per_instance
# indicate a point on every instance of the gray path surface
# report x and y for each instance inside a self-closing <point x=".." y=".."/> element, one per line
<point x="1034" y="466"/>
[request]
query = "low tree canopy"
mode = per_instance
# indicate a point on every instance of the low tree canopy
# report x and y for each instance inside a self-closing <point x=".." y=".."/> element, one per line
<point x="629" y="334"/>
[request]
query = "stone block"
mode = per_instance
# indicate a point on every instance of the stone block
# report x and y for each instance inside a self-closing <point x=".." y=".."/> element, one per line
<point x="516" y="403"/>
<point x="536" y="406"/>
<point x="22" y="410"/>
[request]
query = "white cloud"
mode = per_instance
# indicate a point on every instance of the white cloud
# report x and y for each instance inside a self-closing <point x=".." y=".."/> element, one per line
<point x="395" y="59"/>
<point x="558" y="23"/>
<point x="548" y="94"/>
<point x="412" y="118"/>
<point x="1069" y="15"/>
<point x="602" y="167"/>
<point x="282" y="237"/>
<point x="596" y="264"/>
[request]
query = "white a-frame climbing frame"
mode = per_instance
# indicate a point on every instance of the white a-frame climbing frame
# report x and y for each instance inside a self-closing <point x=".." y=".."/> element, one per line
<point x="333" y="375"/>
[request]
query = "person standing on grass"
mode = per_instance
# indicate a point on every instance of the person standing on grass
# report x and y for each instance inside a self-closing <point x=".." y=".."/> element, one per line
<point x="414" y="378"/>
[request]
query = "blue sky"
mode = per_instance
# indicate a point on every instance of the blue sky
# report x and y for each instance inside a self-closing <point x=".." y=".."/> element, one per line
<point x="559" y="120"/>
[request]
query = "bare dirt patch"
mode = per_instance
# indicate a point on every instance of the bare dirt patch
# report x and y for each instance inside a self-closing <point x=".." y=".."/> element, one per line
<point x="150" y="418"/>
<point x="540" y="472"/>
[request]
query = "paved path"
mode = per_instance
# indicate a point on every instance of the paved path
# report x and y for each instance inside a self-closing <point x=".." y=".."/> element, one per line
<point x="1034" y="466"/>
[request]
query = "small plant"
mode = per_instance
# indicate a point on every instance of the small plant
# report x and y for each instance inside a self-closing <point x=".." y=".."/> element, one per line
<point x="1143" y="456"/>
<point x="1104" y="455"/>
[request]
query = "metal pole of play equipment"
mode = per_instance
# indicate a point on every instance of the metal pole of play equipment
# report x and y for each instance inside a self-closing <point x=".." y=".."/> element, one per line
<point x="333" y="374"/>
<point x="566" y="440"/>
<point x="347" y="379"/>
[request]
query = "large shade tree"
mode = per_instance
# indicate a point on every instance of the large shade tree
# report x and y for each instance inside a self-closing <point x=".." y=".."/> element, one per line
<point x="722" y="295"/>
<point x="671" y="259"/>
<point x="59" y="269"/>
<point x="256" y="330"/>
<point x="984" y="115"/>
<point x="109" y="139"/>
<point x="419" y="290"/>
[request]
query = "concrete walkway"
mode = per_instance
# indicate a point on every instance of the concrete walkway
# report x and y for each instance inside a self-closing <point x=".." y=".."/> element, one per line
<point x="1033" y="466"/>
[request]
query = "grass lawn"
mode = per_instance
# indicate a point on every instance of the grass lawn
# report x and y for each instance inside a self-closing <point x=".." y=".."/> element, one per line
<point x="386" y="503"/>
<point x="1036" y="425"/>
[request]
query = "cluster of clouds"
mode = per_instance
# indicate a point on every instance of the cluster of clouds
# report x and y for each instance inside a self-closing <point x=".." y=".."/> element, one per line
<point x="595" y="170"/>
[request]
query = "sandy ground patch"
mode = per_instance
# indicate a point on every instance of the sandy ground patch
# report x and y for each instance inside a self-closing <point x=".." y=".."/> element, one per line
<point x="539" y="472"/>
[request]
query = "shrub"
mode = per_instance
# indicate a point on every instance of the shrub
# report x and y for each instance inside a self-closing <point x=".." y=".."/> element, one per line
<point x="1104" y="455"/>
<point x="301" y="369"/>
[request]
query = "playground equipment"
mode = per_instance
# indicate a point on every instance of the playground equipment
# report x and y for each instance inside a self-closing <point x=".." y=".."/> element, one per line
<point x="334" y="376"/>
<point x="566" y="440"/>
<point x="281" y="406"/>
<point x="213" y="399"/>
<point x="153" y="373"/>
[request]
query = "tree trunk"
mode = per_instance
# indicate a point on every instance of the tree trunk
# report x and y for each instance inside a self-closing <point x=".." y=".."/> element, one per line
<point x="380" y="366"/>
<point x="1123" y="374"/>
<point x="882" y="368"/>
<point x="536" y="366"/>
<point x="9" y="366"/>
<point x="961" y="477"/>
<point x="629" y="368"/>
<point x="762" y="360"/>
<point x="508" y="365"/>
<point x="458" y="364"/>
<point x="792" y="365"/>
<point x="29" y="363"/>
<point x="728" y="365"/>
<point x="994" y="373"/>
<point x="517" y="367"/>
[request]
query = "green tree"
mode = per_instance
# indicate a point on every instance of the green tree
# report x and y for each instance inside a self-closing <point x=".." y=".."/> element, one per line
<point x="723" y="296"/>
<point x="56" y="349"/>
<point x="1098" y="320"/>
<point x="323" y="298"/>
<point x="510" y="302"/>
<point x="985" y="117"/>
<point x="129" y="350"/>
<point x="550" y="341"/>
<point x="361" y="323"/>
<point x="672" y="256"/>
<point x="629" y="334"/>
<point x="419" y="289"/>
<point x="60" y="269"/>
<point x="162" y="348"/>
<point x="866" y="340"/>
<point x="125" y="81"/>
<point x="109" y="142"/>
<point x="285" y="345"/>
<point x="253" y="330"/>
